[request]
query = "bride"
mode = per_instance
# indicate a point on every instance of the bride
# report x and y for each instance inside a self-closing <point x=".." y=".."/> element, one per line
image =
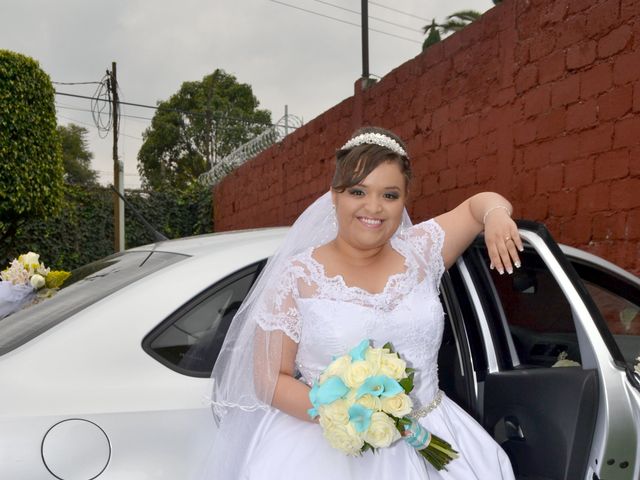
<point x="352" y="267"/>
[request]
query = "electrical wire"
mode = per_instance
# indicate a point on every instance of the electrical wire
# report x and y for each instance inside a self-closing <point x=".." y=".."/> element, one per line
<point x="370" y="16"/>
<point x="399" y="11"/>
<point x="101" y="106"/>
<point x="75" y="83"/>
<point x="345" y="21"/>
<point x="184" y="112"/>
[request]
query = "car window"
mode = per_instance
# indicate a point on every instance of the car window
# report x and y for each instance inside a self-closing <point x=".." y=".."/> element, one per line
<point x="619" y="303"/>
<point x="85" y="286"/>
<point x="532" y="308"/>
<point x="190" y="340"/>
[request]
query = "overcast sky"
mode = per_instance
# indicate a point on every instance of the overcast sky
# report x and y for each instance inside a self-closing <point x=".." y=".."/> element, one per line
<point x="289" y="56"/>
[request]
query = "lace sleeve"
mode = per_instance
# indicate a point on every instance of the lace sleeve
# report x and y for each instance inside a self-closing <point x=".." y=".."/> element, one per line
<point x="278" y="309"/>
<point x="427" y="240"/>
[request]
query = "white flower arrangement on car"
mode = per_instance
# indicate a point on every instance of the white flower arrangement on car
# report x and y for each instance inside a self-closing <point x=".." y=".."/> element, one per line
<point x="24" y="278"/>
<point x="362" y="401"/>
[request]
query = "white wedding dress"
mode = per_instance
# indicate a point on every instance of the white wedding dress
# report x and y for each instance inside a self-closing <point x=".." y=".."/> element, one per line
<point x="327" y="318"/>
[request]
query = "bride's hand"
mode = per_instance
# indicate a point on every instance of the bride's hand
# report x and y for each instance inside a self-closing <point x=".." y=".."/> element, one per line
<point x="503" y="241"/>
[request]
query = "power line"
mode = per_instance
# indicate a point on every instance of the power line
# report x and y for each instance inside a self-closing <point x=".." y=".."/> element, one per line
<point x="399" y="11"/>
<point x="68" y="107"/>
<point x="76" y="83"/>
<point x="344" y="21"/>
<point x="239" y="119"/>
<point x="371" y="17"/>
<point x="79" y="122"/>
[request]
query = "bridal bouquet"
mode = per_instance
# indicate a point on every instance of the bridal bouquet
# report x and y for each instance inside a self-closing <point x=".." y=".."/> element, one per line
<point x="25" y="276"/>
<point x="362" y="401"/>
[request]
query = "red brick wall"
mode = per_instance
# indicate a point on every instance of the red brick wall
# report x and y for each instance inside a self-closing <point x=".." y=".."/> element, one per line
<point x="538" y="100"/>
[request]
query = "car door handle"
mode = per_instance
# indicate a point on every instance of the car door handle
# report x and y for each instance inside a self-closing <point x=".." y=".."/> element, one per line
<point x="513" y="429"/>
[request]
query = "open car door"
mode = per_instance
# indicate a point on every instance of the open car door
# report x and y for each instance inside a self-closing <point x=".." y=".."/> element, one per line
<point x="538" y="367"/>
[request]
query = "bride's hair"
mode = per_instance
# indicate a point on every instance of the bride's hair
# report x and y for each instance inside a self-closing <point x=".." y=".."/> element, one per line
<point x="354" y="164"/>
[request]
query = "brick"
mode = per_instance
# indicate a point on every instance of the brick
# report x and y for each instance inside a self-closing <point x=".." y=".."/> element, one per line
<point x="624" y="195"/>
<point x="615" y="41"/>
<point x="578" y="173"/>
<point x="466" y="174"/>
<point x="596" y="80"/>
<point x="487" y="168"/>
<point x="636" y="97"/>
<point x="447" y="179"/>
<point x="551" y="124"/>
<point x="616" y="103"/>
<point x="629" y="9"/>
<point x="594" y="197"/>
<point x="469" y="128"/>
<point x="537" y="101"/>
<point x="582" y="115"/>
<point x="603" y="17"/>
<point x="450" y="133"/>
<point x="596" y="140"/>
<point x="541" y="46"/>
<point x="573" y="31"/>
<point x="610" y="165"/>
<point x="634" y="161"/>
<point x="476" y="147"/>
<point x="581" y="54"/>
<point x="440" y="117"/>
<point x="564" y="148"/>
<point x="551" y="67"/>
<point x="526" y="78"/>
<point x="627" y="133"/>
<point x="609" y="226"/>
<point x="577" y="231"/>
<point x="626" y="68"/>
<point x="456" y="154"/>
<point x="565" y="91"/>
<point x="536" y="208"/>
<point x="554" y="12"/>
<point x="563" y="203"/>
<point x="524" y="132"/>
<point x="633" y="225"/>
<point x="576" y="6"/>
<point x="549" y="179"/>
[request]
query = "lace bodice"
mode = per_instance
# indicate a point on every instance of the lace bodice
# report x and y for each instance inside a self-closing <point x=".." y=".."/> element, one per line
<point x="327" y="318"/>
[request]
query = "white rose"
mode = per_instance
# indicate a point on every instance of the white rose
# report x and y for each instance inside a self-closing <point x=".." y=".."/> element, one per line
<point x="398" y="405"/>
<point x="337" y="368"/>
<point x="29" y="259"/>
<point x="335" y="413"/>
<point x="37" y="281"/>
<point x="374" y="357"/>
<point x="393" y="366"/>
<point x="344" y="438"/>
<point x="382" y="431"/>
<point x="357" y="373"/>
<point x="371" y="402"/>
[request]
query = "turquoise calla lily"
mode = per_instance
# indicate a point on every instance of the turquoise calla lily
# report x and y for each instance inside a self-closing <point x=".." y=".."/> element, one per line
<point x="358" y="352"/>
<point x="330" y="390"/>
<point x="379" y="386"/>
<point x="360" y="417"/>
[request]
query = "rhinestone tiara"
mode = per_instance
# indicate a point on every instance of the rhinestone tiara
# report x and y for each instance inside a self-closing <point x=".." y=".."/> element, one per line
<point x="375" y="139"/>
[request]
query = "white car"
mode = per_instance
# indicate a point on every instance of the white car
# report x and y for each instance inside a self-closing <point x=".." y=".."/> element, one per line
<point x="109" y="378"/>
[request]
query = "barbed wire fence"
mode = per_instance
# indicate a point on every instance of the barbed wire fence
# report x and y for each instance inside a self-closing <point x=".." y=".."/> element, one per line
<point x="272" y="135"/>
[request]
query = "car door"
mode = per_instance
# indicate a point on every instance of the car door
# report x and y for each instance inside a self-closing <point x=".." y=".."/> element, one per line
<point x="541" y="370"/>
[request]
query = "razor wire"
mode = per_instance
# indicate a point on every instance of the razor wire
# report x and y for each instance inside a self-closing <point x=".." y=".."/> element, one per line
<point x="250" y="149"/>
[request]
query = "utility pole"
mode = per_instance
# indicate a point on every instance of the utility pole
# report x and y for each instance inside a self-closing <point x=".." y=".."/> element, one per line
<point x="118" y="173"/>
<point x="365" y="42"/>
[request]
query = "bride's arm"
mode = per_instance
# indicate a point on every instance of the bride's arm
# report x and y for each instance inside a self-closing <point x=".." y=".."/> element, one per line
<point x="291" y="395"/>
<point x="491" y="212"/>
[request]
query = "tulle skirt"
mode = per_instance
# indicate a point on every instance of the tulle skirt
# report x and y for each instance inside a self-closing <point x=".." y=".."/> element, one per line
<point x="287" y="448"/>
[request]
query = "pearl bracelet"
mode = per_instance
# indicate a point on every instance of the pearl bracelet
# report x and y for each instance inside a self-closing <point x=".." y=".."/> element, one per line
<point x="484" y="219"/>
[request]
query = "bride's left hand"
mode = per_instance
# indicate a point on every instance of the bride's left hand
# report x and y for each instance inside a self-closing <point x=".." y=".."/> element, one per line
<point x="503" y="242"/>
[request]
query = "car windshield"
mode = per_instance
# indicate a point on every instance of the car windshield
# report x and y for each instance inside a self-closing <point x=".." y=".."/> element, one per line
<point x="85" y="286"/>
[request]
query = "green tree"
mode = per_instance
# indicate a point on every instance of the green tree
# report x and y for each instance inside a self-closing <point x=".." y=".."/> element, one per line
<point x="76" y="156"/>
<point x="31" y="171"/>
<point x="200" y="124"/>
<point x="455" y="22"/>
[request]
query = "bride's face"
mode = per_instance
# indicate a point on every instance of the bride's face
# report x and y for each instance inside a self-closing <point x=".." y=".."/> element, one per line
<point x="369" y="213"/>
